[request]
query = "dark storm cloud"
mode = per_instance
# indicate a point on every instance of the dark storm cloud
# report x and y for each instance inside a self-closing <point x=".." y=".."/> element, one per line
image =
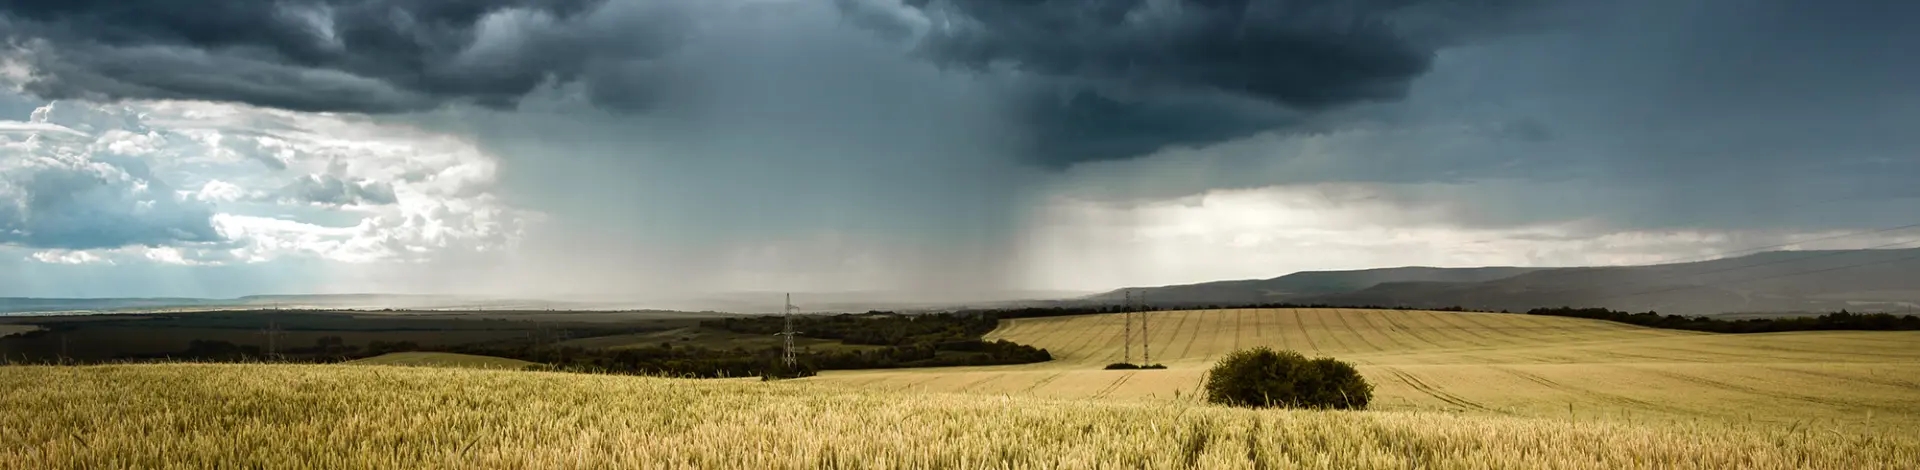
<point x="1095" y="79"/>
<point x="1120" y="78"/>
<point x="1643" y="114"/>
<point x="1709" y="113"/>
<point x="327" y="55"/>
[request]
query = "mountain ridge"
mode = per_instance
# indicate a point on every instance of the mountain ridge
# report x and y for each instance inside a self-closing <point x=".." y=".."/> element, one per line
<point x="1771" y="281"/>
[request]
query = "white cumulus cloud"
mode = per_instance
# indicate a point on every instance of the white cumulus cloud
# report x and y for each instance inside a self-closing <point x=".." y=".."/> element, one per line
<point x="94" y="183"/>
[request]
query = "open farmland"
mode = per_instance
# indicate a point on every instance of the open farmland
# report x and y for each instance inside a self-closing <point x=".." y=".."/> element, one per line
<point x="364" y="417"/>
<point x="1492" y="364"/>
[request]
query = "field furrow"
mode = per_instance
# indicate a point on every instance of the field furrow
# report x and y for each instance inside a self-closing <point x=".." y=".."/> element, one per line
<point x="1397" y="341"/>
<point x="1452" y="339"/>
<point x="1366" y="335"/>
<point x="1432" y="391"/>
<point x="1115" y="384"/>
<point x="1592" y="395"/>
<point x="1301" y="331"/>
<point x="1888" y="381"/>
<point x="1195" y="333"/>
<point x="1481" y="363"/>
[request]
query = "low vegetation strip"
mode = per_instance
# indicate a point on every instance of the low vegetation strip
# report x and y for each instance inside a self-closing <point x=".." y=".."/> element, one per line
<point x="346" y="417"/>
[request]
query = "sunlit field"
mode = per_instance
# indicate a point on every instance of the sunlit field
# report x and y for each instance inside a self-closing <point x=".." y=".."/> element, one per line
<point x="366" y="417"/>
<point x="1481" y="364"/>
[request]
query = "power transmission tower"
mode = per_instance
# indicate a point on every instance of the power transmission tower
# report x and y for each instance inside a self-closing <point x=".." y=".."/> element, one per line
<point x="1127" y="311"/>
<point x="1146" y="339"/>
<point x="788" y="355"/>
<point x="272" y="332"/>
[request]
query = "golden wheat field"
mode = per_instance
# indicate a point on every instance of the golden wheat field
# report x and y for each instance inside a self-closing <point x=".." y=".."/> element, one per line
<point x="1480" y="363"/>
<point x="383" y="417"/>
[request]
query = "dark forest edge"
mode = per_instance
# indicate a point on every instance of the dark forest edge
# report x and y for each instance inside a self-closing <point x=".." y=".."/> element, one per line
<point x="926" y="340"/>
<point x="887" y="340"/>
<point x="1841" y="320"/>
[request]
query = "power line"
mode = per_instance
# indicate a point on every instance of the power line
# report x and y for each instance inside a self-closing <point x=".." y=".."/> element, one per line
<point x="272" y="332"/>
<point x="1127" y="312"/>
<point x="787" y="356"/>
<point x="1146" y="339"/>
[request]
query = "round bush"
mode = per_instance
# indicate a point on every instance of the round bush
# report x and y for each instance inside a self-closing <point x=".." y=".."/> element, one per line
<point x="1262" y="377"/>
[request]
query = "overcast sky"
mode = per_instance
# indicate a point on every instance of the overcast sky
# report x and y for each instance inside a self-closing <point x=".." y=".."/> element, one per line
<point x="645" y="148"/>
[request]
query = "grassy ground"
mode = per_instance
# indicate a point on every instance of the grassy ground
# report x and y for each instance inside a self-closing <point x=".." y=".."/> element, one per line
<point x="351" y="417"/>
<point x="437" y="359"/>
<point x="1488" y="364"/>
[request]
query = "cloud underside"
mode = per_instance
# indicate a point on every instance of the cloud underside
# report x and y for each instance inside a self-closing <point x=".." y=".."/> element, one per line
<point x="1097" y="79"/>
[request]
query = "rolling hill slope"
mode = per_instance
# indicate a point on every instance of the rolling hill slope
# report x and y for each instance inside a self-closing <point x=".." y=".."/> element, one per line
<point x="1497" y="364"/>
<point x="1307" y="284"/>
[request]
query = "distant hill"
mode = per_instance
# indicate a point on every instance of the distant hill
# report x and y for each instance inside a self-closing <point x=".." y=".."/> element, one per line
<point x="1308" y="284"/>
<point x="1788" y="281"/>
<point x="23" y="305"/>
<point x="1783" y="281"/>
<point x="31" y="304"/>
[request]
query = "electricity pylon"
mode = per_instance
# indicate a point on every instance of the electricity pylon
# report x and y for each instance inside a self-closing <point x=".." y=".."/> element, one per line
<point x="788" y="356"/>
<point x="1127" y="311"/>
<point x="1146" y="339"/>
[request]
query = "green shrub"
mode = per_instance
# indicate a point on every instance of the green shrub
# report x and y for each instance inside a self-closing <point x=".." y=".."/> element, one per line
<point x="1154" y="366"/>
<point x="1262" y="377"/>
<point x="1121" y="365"/>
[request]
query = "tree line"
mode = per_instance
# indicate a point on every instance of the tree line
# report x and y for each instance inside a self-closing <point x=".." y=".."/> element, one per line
<point x="893" y="340"/>
<point x="919" y="340"/>
<point x="924" y="340"/>
<point x="1841" y="320"/>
